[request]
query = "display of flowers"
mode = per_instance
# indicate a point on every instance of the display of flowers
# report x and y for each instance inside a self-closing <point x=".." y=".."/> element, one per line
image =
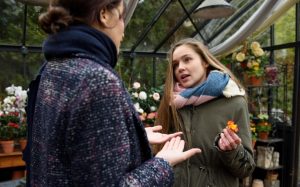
<point x="251" y="59"/>
<point x="146" y="101"/>
<point x="12" y="114"/>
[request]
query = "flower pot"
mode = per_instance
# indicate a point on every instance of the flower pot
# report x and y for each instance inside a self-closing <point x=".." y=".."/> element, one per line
<point x="263" y="135"/>
<point x="272" y="176"/>
<point x="252" y="80"/>
<point x="23" y="143"/>
<point x="7" y="146"/>
<point x="257" y="183"/>
<point x="18" y="174"/>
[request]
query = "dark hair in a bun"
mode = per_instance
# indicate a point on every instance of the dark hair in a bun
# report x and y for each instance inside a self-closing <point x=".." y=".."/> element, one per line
<point x="55" y="19"/>
<point x="62" y="13"/>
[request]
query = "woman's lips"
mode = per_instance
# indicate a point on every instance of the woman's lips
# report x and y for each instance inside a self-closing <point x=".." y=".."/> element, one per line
<point x="184" y="77"/>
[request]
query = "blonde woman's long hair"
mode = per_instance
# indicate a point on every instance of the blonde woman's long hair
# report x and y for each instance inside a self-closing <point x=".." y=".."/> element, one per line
<point x="167" y="113"/>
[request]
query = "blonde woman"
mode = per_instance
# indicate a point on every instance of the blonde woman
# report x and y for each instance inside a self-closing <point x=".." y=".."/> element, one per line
<point x="200" y="97"/>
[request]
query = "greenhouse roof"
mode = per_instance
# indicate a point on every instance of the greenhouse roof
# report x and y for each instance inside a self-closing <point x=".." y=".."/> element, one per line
<point x="155" y="25"/>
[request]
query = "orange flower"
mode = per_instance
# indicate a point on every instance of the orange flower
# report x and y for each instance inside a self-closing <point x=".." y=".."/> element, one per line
<point x="232" y="126"/>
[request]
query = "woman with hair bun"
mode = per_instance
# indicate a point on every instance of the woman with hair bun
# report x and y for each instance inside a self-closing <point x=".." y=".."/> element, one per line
<point x="85" y="131"/>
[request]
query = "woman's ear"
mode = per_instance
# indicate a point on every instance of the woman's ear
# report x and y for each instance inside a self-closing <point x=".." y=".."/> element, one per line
<point x="106" y="18"/>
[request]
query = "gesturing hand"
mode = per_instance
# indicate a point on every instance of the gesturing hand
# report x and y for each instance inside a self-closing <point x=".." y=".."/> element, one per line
<point x="173" y="151"/>
<point x="155" y="137"/>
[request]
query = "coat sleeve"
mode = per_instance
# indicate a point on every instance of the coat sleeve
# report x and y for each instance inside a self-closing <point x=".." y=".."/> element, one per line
<point x="104" y="147"/>
<point x="240" y="161"/>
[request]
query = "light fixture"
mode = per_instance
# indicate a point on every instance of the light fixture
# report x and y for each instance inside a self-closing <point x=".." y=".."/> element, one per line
<point x="212" y="9"/>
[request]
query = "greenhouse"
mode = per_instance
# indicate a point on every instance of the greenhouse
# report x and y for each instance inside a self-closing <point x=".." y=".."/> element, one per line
<point x="257" y="40"/>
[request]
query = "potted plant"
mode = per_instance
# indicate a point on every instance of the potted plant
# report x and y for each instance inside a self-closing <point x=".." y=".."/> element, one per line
<point x="253" y="133"/>
<point x="146" y="101"/>
<point x="251" y="60"/>
<point x="263" y="127"/>
<point x="8" y="133"/>
<point x="12" y="112"/>
<point x="22" y="135"/>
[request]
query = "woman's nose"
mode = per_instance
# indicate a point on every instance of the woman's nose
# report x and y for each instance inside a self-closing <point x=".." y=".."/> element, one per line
<point x="181" y="66"/>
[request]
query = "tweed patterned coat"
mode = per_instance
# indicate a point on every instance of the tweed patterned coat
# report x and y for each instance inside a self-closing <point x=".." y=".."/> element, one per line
<point x="85" y="130"/>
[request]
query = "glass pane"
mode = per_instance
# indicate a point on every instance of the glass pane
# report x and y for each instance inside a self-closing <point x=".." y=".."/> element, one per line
<point x="182" y="32"/>
<point x="284" y="60"/>
<point x="17" y="69"/>
<point x="141" y="70"/>
<point x="11" y="22"/>
<point x="263" y="38"/>
<point x="141" y="17"/>
<point x="283" y="24"/>
<point x="163" y="26"/>
<point x="35" y="35"/>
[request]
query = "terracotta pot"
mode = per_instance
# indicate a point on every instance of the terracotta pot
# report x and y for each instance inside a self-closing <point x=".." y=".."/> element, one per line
<point x="263" y="135"/>
<point x="253" y="80"/>
<point x="18" y="174"/>
<point x="23" y="143"/>
<point x="272" y="176"/>
<point x="7" y="146"/>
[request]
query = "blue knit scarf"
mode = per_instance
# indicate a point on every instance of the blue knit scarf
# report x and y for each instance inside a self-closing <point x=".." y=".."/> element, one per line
<point x="212" y="88"/>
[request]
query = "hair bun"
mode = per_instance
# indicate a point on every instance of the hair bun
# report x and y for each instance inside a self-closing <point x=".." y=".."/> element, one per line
<point x="55" y="19"/>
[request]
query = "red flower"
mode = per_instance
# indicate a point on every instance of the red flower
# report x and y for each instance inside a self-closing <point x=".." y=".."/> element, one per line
<point x="14" y="125"/>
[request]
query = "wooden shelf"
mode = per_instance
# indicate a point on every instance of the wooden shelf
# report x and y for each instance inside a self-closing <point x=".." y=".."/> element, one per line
<point x="271" y="140"/>
<point x="273" y="168"/>
<point x="11" y="160"/>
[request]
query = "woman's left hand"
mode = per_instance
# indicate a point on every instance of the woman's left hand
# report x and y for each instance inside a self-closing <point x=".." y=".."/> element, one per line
<point x="229" y="140"/>
<point x="155" y="137"/>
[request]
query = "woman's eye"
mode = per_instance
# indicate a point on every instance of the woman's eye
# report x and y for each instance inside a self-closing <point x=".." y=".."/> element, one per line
<point x="175" y="65"/>
<point x="186" y="59"/>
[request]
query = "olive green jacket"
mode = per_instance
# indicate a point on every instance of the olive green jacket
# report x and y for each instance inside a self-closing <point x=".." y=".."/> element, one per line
<point x="202" y="126"/>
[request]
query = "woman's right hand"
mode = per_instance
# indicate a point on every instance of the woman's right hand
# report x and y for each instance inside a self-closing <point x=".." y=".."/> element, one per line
<point x="172" y="151"/>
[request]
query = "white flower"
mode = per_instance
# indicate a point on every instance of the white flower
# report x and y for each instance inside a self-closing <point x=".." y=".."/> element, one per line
<point x="9" y="100"/>
<point x="135" y="94"/>
<point x="255" y="45"/>
<point x="240" y="57"/>
<point x="10" y="90"/>
<point x="153" y="108"/>
<point x="140" y="110"/>
<point x="15" y="101"/>
<point x="22" y="94"/>
<point x="137" y="106"/>
<point x="258" y="52"/>
<point x="143" y="95"/>
<point x="136" y="85"/>
<point x="156" y="96"/>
